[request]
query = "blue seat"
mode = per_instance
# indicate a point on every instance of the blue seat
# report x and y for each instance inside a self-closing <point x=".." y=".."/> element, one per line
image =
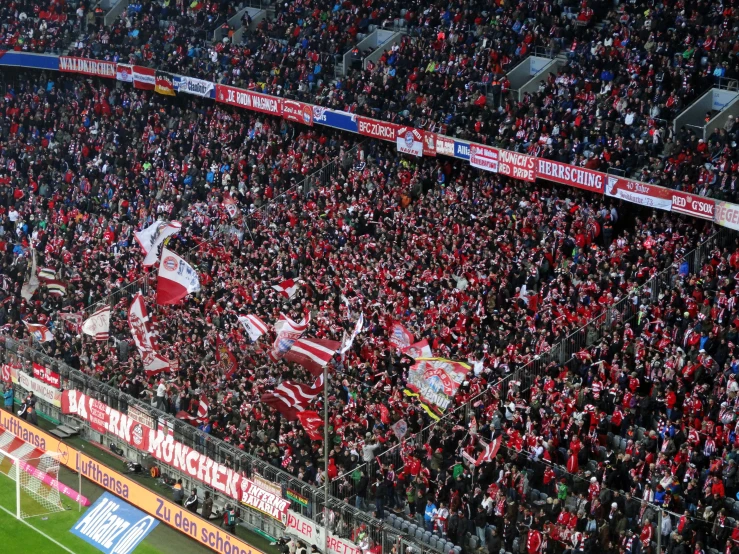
<point x="434" y="543"/>
<point x="419" y="533"/>
<point x="447" y="548"/>
<point x="427" y="536"/>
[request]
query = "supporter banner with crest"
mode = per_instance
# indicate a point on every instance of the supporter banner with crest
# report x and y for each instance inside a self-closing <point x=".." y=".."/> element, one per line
<point x="635" y="192"/>
<point x="484" y="157"/>
<point x="409" y="141"/>
<point x="299" y="112"/>
<point x="436" y="380"/>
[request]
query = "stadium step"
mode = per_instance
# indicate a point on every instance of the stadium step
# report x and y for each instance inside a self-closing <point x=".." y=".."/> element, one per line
<point x="65" y="431"/>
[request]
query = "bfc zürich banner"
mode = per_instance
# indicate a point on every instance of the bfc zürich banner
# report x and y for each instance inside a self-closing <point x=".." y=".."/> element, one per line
<point x="114" y="526"/>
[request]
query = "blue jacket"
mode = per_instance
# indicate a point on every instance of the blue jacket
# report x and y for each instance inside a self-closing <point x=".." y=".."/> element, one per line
<point x="8" y="395"/>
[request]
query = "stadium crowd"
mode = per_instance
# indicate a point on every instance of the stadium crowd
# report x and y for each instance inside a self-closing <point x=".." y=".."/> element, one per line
<point x="518" y="268"/>
<point x="448" y="73"/>
<point x="490" y="271"/>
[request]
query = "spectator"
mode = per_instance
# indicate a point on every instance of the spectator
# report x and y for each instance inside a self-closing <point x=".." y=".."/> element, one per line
<point x="178" y="493"/>
<point x="191" y="503"/>
<point x="8" y="397"/>
<point x="207" y="508"/>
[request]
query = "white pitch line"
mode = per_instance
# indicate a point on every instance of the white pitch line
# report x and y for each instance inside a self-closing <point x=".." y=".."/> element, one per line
<point x="4" y="509"/>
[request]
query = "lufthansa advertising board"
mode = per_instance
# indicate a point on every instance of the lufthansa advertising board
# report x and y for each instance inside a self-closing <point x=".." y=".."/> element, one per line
<point x="200" y="530"/>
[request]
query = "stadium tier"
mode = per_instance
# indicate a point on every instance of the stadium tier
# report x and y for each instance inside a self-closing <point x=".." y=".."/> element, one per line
<point x="511" y="364"/>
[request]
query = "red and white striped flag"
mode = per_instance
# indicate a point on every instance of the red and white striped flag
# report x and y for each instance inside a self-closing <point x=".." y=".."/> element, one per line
<point x="287" y="288"/>
<point x="98" y="324"/>
<point x="202" y="411"/>
<point x="312" y="354"/>
<point x="253" y="326"/>
<point x="289" y="397"/>
<point x="490" y="451"/>
<point x="40" y="332"/>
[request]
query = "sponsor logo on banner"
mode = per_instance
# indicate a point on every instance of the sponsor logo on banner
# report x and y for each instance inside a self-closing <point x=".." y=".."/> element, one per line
<point x="264" y="501"/>
<point x="114" y="526"/>
<point x="409" y="141"/>
<point x="690" y="204"/>
<point x="727" y="215"/>
<point x="461" y="150"/>
<point x="249" y="100"/>
<point x="333" y="118"/>
<point x="518" y="166"/>
<point x="197" y="87"/>
<point x="297" y="111"/>
<point x="87" y="67"/>
<point x="39" y="388"/>
<point x="483" y="157"/>
<point x="444" y="146"/>
<point x="570" y="175"/>
<point x="382" y="130"/>
<point x="49" y="377"/>
<point x="635" y="192"/>
<point x="177" y="517"/>
<point x="314" y="534"/>
<point x="429" y="143"/>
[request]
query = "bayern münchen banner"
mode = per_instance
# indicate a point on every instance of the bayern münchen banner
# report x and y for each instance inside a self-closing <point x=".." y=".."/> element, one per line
<point x="138" y="321"/>
<point x="436" y="380"/>
<point x="176" y="279"/>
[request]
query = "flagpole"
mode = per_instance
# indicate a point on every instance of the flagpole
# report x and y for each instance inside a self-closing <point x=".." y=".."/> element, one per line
<point x="325" y="460"/>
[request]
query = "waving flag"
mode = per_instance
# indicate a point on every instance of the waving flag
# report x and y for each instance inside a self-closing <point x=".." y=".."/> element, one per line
<point x="290" y="398"/>
<point x="138" y="321"/>
<point x="349" y="341"/>
<point x="312" y="423"/>
<point x="287" y="333"/>
<point x="420" y="349"/>
<point x="40" y="332"/>
<point x="73" y="322"/>
<point x="287" y="288"/>
<point x="203" y="407"/>
<point x="98" y="324"/>
<point x="490" y="450"/>
<point x="151" y="238"/>
<point x="253" y="326"/>
<point x="176" y="279"/>
<point x="400" y="337"/>
<point x="226" y="357"/>
<point x="33" y="283"/>
<point x="312" y="354"/>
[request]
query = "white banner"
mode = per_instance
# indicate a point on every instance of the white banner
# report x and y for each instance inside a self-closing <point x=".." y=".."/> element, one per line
<point x="409" y="141"/>
<point x="198" y="87"/>
<point x="39" y="388"/>
<point x="311" y="533"/>
<point x="727" y="215"/>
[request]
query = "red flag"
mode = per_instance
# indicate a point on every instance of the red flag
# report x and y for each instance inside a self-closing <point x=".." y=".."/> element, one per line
<point x="491" y="449"/>
<point x="312" y="423"/>
<point x="225" y="357"/>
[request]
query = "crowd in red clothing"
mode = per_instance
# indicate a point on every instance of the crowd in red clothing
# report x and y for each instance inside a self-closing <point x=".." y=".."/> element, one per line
<point x="518" y="268"/>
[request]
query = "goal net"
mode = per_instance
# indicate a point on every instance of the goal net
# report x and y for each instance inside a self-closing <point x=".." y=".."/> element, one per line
<point x="35" y="480"/>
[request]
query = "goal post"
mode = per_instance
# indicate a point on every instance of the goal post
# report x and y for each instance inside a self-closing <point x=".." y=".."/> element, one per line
<point x="35" y="484"/>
